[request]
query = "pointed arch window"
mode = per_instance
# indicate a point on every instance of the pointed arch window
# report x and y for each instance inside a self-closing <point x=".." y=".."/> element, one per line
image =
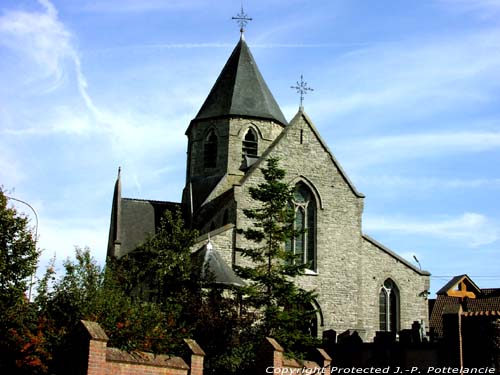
<point x="303" y="245"/>
<point x="389" y="307"/>
<point x="210" y="150"/>
<point x="250" y="143"/>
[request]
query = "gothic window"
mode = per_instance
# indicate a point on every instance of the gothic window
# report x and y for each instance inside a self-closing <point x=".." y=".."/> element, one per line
<point x="303" y="245"/>
<point x="210" y="150"/>
<point x="250" y="143"/>
<point x="389" y="307"/>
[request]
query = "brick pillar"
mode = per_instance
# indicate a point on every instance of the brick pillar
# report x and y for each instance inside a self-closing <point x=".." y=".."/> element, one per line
<point x="270" y="355"/>
<point x="96" y="364"/>
<point x="452" y="336"/>
<point x="323" y="359"/>
<point x="197" y="357"/>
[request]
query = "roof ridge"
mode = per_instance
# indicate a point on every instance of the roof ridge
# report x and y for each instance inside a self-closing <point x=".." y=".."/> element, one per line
<point x="149" y="200"/>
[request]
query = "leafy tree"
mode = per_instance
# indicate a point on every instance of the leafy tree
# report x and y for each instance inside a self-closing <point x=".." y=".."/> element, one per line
<point x="22" y="342"/>
<point x="285" y="307"/>
<point x="18" y="253"/>
<point x="160" y="269"/>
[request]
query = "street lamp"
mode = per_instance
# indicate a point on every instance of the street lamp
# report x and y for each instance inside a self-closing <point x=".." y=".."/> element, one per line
<point x="36" y="237"/>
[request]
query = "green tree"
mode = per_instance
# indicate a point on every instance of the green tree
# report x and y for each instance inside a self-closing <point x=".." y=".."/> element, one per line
<point x="18" y="253"/>
<point x="22" y="342"/>
<point x="87" y="291"/>
<point x="158" y="274"/>
<point x="286" y="308"/>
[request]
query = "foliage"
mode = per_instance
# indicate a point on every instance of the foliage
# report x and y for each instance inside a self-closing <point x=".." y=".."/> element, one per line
<point x="141" y="300"/>
<point x="286" y="308"/>
<point x="22" y="342"/>
<point x="224" y="329"/>
<point x="160" y="269"/>
<point x="18" y="253"/>
<point x="157" y="275"/>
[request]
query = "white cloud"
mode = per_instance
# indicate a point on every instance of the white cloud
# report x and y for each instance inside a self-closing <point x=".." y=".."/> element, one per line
<point x="133" y="6"/>
<point x="60" y="236"/>
<point x="10" y="170"/>
<point x="42" y="38"/>
<point x="378" y="150"/>
<point x="483" y="8"/>
<point x="470" y="228"/>
<point x="425" y="183"/>
<point x="412" y="78"/>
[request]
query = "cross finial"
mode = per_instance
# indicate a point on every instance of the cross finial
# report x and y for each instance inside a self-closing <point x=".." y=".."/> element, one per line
<point x="301" y="89"/>
<point x="242" y="19"/>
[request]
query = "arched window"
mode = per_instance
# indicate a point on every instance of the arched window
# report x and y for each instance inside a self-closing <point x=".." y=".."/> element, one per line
<point x="210" y="150"/>
<point x="303" y="245"/>
<point x="250" y="143"/>
<point x="389" y="307"/>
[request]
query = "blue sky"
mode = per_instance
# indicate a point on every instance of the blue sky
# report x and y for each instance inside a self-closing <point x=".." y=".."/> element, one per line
<point x="406" y="94"/>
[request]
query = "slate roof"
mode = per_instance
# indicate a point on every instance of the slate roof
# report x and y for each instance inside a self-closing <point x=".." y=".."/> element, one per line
<point x="240" y="90"/>
<point x="212" y="269"/>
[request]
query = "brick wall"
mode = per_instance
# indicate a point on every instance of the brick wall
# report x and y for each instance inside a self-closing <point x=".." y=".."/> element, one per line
<point x="103" y="360"/>
<point x="273" y="360"/>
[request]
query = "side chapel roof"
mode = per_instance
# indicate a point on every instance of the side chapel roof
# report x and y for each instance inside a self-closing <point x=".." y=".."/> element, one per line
<point x="240" y="90"/>
<point x="212" y="269"/>
<point x="133" y="221"/>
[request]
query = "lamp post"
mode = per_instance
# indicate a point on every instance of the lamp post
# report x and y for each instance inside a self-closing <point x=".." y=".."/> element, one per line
<point x="36" y="237"/>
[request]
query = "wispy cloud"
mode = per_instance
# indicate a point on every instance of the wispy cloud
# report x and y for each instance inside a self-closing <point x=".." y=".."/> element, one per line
<point x="420" y="145"/>
<point x="425" y="183"/>
<point x="212" y="45"/>
<point x="133" y="6"/>
<point x="45" y="40"/>
<point x="483" y="8"/>
<point x="59" y="237"/>
<point x="470" y="228"/>
<point x="420" y="76"/>
<point x="41" y="37"/>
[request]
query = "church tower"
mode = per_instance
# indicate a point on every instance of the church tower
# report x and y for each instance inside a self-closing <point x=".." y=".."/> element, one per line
<point x="235" y="125"/>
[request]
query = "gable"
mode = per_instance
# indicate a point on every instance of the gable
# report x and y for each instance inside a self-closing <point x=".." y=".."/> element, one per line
<point x="302" y="130"/>
<point x="460" y="286"/>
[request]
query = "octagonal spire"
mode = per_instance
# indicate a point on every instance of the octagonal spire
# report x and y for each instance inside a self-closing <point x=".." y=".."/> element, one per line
<point x="240" y="90"/>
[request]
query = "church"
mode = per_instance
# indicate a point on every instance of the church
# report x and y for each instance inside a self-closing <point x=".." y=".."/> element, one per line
<point x="361" y="284"/>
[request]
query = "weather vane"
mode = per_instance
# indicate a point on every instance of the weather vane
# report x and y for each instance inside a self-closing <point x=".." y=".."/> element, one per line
<point x="302" y="89"/>
<point x="242" y="19"/>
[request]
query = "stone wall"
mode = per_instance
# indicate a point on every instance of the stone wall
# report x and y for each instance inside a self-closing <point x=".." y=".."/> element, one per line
<point x="350" y="269"/>
<point x="338" y="221"/>
<point x="378" y="264"/>
<point x="230" y="133"/>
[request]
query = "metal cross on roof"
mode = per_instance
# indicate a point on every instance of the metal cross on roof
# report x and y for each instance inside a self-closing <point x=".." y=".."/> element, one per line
<point x="301" y="89"/>
<point x="242" y="19"/>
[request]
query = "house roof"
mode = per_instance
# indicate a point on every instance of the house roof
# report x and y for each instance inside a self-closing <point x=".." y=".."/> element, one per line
<point x="240" y="90"/>
<point x="457" y="280"/>
<point x="486" y="302"/>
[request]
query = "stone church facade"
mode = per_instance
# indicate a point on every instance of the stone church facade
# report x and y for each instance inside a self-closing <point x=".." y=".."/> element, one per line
<point x="361" y="284"/>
